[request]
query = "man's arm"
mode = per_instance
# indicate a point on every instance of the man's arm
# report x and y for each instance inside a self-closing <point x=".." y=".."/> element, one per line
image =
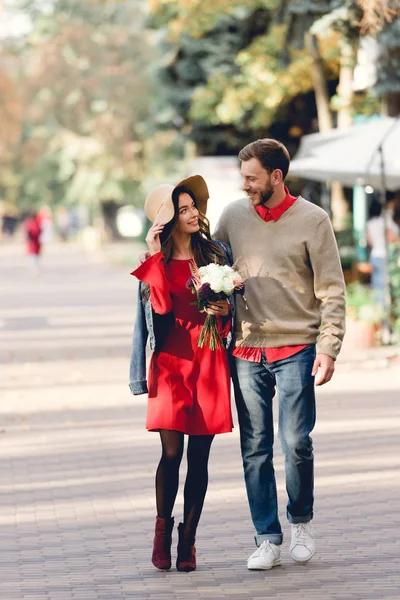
<point x="329" y="288"/>
<point x="221" y="231"/>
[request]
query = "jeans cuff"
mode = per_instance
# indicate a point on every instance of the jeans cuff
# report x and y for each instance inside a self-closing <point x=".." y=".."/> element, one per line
<point x="296" y="520"/>
<point x="274" y="538"/>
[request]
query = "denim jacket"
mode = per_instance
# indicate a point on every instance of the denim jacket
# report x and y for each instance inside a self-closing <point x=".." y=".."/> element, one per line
<point x="152" y="327"/>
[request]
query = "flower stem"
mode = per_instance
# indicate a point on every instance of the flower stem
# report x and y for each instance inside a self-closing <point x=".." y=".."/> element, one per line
<point x="210" y="335"/>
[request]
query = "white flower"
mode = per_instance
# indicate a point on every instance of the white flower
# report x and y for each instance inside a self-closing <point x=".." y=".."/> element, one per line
<point x="221" y="278"/>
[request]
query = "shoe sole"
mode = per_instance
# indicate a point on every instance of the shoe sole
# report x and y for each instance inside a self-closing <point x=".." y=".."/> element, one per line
<point x="302" y="562"/>
<point x="276" y="563"/>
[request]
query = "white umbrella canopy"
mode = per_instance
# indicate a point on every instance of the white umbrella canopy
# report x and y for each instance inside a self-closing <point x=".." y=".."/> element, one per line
<point x="352" y="155"/>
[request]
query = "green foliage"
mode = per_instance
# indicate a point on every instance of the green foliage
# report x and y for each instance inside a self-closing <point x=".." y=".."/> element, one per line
<point x="198" y="18"/>
<point x="366" y="103"/>
<point x="389" y="61"/>
<point x="90" y="109"/>
<point x="346" y="244"/>
<point x="360" y="305"/>
<point x="394" y="275"/>
<point x="190" y="84"/>
<point x="236" y="68"/>
<point x="343" y="17"/>
<point x="84" y="87"/>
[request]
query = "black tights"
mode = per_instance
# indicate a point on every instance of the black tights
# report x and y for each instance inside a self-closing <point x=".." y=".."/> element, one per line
<point x="167" y="476"/>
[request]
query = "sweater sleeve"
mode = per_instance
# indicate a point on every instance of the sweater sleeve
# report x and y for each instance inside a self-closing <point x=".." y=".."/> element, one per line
<point x="221" y="230"/>
<point x="329" y="288"/>
<point x="152" y="271"/>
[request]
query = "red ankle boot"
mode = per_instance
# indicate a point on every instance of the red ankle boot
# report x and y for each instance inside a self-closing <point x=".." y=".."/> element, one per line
<point x="186" y="560"/>
<point x="161" y="557"/>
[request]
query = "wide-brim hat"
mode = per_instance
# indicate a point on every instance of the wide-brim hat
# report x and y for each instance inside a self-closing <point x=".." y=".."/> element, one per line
<point x="159" y="205"/>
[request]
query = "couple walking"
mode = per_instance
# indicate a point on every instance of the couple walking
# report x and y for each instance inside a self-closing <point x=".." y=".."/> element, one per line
<point x="284" y="333"/>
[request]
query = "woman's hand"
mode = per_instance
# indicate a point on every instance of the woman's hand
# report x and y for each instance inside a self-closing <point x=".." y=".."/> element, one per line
<point x="220" y="308"/>
<point x="153" y="238"/>
<point x="143" y="256"/>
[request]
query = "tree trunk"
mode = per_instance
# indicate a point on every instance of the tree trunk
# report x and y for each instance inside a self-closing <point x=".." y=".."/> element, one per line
<point x="339" y="207"/>
<point x="325" y="122"/>
<point x="392" y="104"/>
<point x="345" y="87"/>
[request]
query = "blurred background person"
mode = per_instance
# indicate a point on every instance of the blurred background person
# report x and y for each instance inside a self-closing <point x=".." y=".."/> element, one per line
<point x="381" y="230"/>
<point x="45" y="218"/>
<point x="9" y="215"/>
<point x="33" y="231"/>
<point x="63" y="223"/>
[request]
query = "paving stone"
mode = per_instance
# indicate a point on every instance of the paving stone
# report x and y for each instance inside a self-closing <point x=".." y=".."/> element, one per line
<point x="77" y="467"/>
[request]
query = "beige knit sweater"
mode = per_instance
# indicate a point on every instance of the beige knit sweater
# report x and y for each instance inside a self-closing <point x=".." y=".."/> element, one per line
<point x="294" y="288"/>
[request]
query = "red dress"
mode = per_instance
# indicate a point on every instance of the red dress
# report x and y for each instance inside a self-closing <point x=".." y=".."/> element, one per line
<point x="189" y="387"/>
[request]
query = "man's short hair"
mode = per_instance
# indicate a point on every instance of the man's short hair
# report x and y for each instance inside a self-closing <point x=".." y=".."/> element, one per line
<point x="271" y="154"/>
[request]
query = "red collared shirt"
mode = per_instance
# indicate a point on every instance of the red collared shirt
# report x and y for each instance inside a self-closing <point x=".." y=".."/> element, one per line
<point x="275" y="213"/>
<point x="271" y="354"/>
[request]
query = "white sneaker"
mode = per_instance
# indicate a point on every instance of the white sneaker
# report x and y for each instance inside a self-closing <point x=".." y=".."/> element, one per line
<point x="265" y="557"/>
<point x="302" y="547"/>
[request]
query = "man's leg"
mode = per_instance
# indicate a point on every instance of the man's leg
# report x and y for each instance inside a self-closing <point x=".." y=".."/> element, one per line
<point x="295" y="386"/>
<point x="254" y="390"/>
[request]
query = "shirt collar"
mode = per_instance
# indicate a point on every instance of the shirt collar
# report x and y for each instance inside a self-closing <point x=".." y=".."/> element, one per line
<point x="277" y="211"/>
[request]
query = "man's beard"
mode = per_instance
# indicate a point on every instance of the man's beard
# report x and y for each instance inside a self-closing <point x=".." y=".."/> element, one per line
<point x="266" y="195"/>
<point x="263" y="197"/>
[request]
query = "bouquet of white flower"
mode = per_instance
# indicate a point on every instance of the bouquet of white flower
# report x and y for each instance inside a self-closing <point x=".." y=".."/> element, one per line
<point x="213" y="283"/>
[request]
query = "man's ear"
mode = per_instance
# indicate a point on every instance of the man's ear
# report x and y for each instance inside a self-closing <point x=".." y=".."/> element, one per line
<point x="276" y="177"/>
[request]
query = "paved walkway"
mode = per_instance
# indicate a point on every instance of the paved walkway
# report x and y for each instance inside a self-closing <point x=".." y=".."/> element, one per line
<point x="77" y="467"/>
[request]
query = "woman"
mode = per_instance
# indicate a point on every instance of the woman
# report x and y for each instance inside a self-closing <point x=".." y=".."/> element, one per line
<point x="189" y="387"/>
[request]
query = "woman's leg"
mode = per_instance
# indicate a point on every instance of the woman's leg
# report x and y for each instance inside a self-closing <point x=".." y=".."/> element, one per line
<point x="167" y="476"/>
<point x="167" y="479"/>
<point x="197" y="478"/>
<point x="194" y="494"/>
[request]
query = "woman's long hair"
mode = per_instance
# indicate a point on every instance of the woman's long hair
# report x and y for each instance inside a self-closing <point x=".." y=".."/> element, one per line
<point x="204" y="249"/>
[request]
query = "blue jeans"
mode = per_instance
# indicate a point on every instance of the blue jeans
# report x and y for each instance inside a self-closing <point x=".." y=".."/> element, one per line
<point x="254" y="385"/>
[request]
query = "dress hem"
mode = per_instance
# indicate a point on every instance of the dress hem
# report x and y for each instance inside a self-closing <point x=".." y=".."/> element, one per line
<point x="188" y="432"/>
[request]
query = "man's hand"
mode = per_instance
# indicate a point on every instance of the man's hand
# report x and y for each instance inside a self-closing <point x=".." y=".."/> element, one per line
<point x="323" y="369"/>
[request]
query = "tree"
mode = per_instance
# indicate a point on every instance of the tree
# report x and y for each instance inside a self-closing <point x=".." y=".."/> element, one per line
<point x="388" y="82"/>
<point x="304" y="46"/>
<point x="233" y="71"/>
<point x="82" y="78"/>
<point x="11" y="119"/>
<point x="343" y="20"/>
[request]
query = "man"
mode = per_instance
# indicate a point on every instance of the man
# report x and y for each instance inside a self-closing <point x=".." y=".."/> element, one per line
<point x="289" y="329"/>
